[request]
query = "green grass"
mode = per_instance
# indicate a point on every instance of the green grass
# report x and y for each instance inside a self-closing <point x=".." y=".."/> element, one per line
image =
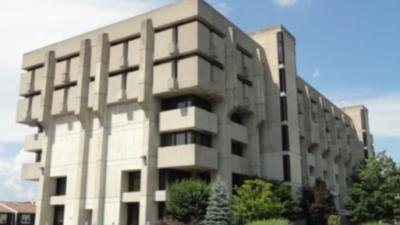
<point x="271" y="222"/>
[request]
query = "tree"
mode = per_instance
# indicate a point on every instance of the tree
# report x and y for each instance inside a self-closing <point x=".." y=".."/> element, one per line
<point x="219" y="206"/>
<point x="291" y="208"/>
<point x="254" y="200"/>
<point x="372" y="195"/>
<point x="187" y="200"/>
<point x="318" y="204"/>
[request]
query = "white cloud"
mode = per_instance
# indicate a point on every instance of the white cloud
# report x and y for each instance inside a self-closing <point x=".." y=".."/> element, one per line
<point x="383" y="108"/>
<point x="12" y="187"/>
<point x="285" y="3"/>
<point x="316" y="73"/>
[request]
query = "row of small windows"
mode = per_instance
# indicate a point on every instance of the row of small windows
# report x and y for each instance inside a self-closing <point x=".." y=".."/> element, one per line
<point x="185" y="102"/>
<point x="186" y="137"/>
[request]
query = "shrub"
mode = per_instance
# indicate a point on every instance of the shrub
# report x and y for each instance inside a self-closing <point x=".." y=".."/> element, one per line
<point x="254" y="200"/>
<point x="271" y="222"/>
<point x="187" y="200"/>
<point x="219" y="206"/>
<point x="334" y="220"/>
<point x="372" y="223"/>
<point x="291" y="207"/>
<point x="171" y="221"/>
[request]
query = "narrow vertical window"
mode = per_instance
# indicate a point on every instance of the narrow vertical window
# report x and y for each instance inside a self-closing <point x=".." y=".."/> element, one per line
<point x="365" y="139"/>
<point x="284" y="110"/>
<point x="58" y="218"/>
<point x="363" y="120"/>
<point x="285" y="138"/>
<point x="61" y="186"/>
<point x="282" y="80"/>
<point x="134" y="181"/>
<point x="286" y="168"/>
<point x="281" y="49"/>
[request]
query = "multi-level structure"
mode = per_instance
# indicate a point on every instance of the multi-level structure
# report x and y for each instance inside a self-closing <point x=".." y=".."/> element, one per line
<point x="125" y="110"/>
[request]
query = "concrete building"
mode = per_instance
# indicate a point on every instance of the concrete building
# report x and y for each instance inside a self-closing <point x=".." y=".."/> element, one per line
<point x="125" y="110"/>
<point x="17" y="213"/>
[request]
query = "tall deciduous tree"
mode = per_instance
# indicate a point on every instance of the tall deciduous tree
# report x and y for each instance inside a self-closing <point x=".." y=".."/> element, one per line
<point x="373" y="193"/>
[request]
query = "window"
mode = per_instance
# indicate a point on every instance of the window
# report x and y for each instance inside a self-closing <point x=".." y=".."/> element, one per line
<point x="133" y="214"/>
<point x="58" y="215"/>
<point x="282" y="80"/>
<point x="325" y="173"/>
<point x="337" y="178"/>
<point x="25" y="219"/>
<point x="237" y="118"/>
<point x="365" y="139"/>
<point x="162" y="211"/>
<point x="170" y="176"/>
<point x="182" y="102"/>
<point x="133" y="181"/>
<point x="366" y="154"/>
<point x="284" y="110"/>
<point x="3" y="218"/>
<point x="38" y="157"/>
<point x="237" y="148"/>
<point x="186" y="137"/>
<point x="281" y="49"/>
<point x="61" y="186"/>
<point x="285" y="138"/>
<point x="286" y="168"/>
<point x="363" y="119"/>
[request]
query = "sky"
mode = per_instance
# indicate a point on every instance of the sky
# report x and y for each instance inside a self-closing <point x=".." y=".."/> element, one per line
<point x="349" y="50"/>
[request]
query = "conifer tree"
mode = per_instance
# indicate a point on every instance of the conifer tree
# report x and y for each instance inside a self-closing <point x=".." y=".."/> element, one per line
<point x="219" y="206"/>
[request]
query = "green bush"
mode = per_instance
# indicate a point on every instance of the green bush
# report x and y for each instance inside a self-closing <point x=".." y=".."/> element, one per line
<point x="171" y="221"/>
<point x="219" y="206"/>
<point x="187" y="200"/>
<point x="334" y="220"/>
<point x="271" y="222"/>
<point x="372" y="223"/>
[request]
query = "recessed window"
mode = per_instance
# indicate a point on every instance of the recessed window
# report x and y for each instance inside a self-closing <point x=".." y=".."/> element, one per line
<point x="237" y="118"/>
<point x="186" y="101"/>
<point x="133" y="214"/>
<point x="286" y="168"/>
<point x="284" y="109"/>
<point x="25" y="219"/>
<point x="312" y="170"/>
<point x="282" y="80"/>
<point x="134" y="181"/>
<point x="314" y="110"/>
<point x="3" y="218"/>
<point x="281" y="49"/>
<point x="237" y="148"/>
<point x="38" y="156"/>
<point x="58" y="218"/>
<point x="186" y="137"/>
<point x="285" y="138"/>
<point x="167" y="177"/>
<point x="61" y="186"/>
<point x="365" y="139"/>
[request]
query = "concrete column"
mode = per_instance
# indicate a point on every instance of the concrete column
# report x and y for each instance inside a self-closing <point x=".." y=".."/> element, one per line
<point x="100" y="109"/>
<point x="44" y="212"/>
<point x="149" y="171"/>
<point x="80" y="176"/>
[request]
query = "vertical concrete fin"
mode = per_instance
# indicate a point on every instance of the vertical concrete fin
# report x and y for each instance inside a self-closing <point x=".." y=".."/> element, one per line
<point x="47" y="91"/>
<point x="146" y="60"/>
<point x="101" y="76"/>
<point x="84" y="78"/>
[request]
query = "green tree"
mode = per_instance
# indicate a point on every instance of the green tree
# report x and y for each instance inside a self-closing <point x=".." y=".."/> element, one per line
<point x="318" y="204"/>
<point x="219" y="206"/>
<point x="254" y="200"/>
<point x="291" y="208"/>
<point x="372" y="195"/>
<point x="187" y="200"/>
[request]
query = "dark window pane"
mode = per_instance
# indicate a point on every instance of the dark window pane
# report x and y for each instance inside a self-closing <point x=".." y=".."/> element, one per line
<point x="133" y="214"/>
<point x="58" y="218"/>
<point x="182" y="102"/>
<point x="237" y="118"/>
<point x="285" y="138"/>
<point x="281" y="49"/>
<point x="134" y="181"/>
<point x="286" y="168"/>
<point x="284" y="112"/>
<point x="282" y="80"/>
<point x="365" y="139"/>
<point x="237" y="148"/>
<point x="61" y="185"/>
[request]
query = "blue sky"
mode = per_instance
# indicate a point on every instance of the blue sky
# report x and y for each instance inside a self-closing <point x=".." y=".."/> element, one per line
<point x="349" y="50"/>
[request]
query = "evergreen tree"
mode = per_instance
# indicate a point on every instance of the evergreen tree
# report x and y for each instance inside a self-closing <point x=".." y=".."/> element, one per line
<point x="219" y="206"/>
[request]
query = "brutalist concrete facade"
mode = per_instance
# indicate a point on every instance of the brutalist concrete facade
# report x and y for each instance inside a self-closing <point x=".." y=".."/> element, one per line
<point x="125" y="110"/>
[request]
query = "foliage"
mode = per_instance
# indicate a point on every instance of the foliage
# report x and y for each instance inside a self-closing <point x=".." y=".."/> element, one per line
<point x="171" y="221"/>
<point x="187" y="200"/>
<point x="219" y="206"/>
<point x="271" y="222"/>
<point x="318" y="204"/>
<point x="334" y="220"/>
<point x="291" y="207"/>
<point x="255" y="200"/>
<point x="372" y="196"/>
